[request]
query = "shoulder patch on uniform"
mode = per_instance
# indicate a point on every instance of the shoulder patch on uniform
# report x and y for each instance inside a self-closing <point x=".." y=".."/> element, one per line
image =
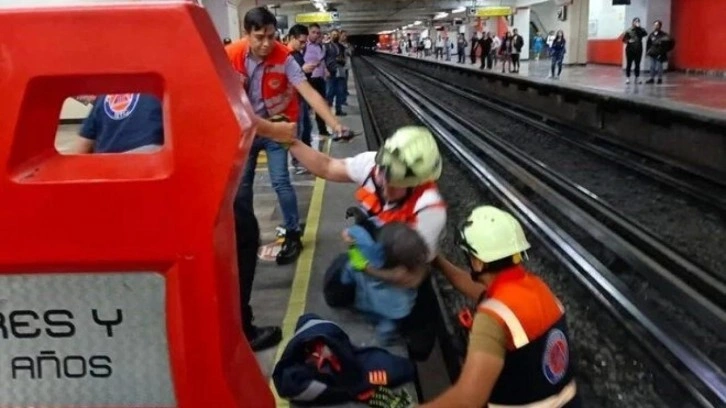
<point x="556" y="356"/>
<point x="120" y="106"/>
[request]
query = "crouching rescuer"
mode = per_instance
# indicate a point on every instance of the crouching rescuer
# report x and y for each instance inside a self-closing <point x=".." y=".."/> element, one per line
<point x="395" y="184"/>
<point x="519" y="348"/>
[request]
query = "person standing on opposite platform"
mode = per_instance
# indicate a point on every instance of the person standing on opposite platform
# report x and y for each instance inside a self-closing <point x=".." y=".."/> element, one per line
<point x="461" y="49"/>
<point x="658" y="46"/>
<point x="485" y="44"/>
<point x="474" y="45"/>
<point x="519" y="346"/>
<point x="537" y="46"/>
<point x="505" y="51"/>
<point x="398" y="183"/>
<point x="633" y="39"/>
<point x="517" y="45"/>
<point x="558" y="50"/>
<point x="271" y="78"/>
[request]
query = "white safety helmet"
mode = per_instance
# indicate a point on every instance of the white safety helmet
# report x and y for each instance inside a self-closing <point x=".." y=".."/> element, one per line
<point x="410" y="157"/>
<point x="490" y="234"/>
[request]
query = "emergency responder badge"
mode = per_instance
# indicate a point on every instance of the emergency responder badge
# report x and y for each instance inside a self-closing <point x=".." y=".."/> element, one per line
<point x="120" y="106"/>
<point x="556" y="356"/>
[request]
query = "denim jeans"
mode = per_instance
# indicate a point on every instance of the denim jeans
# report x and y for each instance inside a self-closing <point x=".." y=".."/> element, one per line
<point x="304" y="125"/>
<point x="656" y="65"/>
<point x="336" y="91"/>
<point x="279" y="176"/>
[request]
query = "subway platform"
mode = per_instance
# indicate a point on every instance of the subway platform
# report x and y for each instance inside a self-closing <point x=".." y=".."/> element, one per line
<point x="680" y="122"/>
<point x="678" y="91"/>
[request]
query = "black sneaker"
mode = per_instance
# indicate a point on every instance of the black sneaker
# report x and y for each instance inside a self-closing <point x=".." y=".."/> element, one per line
<point x="264" y="337"/>
<point x="291" y="248"/>
<point x="660" y="81"/>
<point x="341" y="113"/>
<point x="650" y="81"/>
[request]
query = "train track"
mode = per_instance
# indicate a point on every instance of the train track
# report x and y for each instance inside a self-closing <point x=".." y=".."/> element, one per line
<point x="542" y="198"/>
<point x="705" y="187"/>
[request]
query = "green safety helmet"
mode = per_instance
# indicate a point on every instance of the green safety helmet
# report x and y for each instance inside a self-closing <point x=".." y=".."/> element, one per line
<point x="490" y="234"/>
<point x="410" y="157"/>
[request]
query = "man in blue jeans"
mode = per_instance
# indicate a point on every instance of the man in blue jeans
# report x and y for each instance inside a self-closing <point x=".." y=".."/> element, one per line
<point x="335" y="64"/>
<point x="298" y="37"/>
<point x="273" y="80"/>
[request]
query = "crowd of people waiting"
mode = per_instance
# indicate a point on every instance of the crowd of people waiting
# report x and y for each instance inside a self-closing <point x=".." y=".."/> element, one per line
<point x="492" y="49"/>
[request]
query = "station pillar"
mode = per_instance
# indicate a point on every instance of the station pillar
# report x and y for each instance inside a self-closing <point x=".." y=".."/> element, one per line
<point x="225" y="17"/>
<point x="575" y="28"/>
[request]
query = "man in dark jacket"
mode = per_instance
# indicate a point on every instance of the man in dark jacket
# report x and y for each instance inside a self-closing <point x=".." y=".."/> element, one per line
<point x="633" y="39"/>
<point x="657" y="48"/>
<point x="517" y="45"/>
<point x="335" y="64"/>
<point x="486" y="51"/>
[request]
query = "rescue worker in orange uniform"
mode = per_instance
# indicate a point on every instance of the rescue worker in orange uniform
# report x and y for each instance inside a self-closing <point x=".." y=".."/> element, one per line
<point x="272" y="80"/>
<point x="397" y="183"/>
<point x="519" y="348"/>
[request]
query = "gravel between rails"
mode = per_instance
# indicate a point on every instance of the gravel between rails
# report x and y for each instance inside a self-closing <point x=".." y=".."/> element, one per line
<point x="612" y="371"/>
<point x="688" y="226"/>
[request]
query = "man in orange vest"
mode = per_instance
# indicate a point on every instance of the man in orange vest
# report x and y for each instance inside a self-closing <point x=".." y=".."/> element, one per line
<point x="272" y="79"/>
<point x="397" y="183"/>
<point x="519" y="347"/>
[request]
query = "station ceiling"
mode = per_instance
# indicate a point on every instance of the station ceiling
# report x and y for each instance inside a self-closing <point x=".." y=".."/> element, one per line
<point x="374" y="16"/>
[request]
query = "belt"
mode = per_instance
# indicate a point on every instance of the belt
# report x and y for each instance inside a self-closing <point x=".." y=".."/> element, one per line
<point x="555" y="401"/>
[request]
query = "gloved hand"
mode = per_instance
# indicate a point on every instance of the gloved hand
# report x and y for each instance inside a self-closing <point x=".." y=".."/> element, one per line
<point x="387" y="398"/>
<point x="356" y="258"/>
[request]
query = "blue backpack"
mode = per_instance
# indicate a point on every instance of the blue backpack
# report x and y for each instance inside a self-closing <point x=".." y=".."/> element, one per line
<point x="321" y="366"/>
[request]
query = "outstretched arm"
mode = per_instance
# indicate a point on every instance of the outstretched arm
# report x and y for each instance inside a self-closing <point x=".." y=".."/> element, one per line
<point x="459" y="278"/>
<point x="320" y="164"/>
<point x="319" y="105"/>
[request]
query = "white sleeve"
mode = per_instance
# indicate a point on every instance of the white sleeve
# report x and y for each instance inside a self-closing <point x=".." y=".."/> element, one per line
<point x="430" y="225"/>
<point x="360" y="166"/>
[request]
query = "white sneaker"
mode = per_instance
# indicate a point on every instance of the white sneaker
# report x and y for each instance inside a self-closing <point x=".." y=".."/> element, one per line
<point x="627" y="81"/>
<point x="549" y="76"/>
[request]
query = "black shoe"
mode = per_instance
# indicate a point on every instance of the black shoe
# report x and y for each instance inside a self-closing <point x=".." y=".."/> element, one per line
<point x="291" y="248"/>
<point x="660" y="81"/>
<point x="650" y="81"/>
<point x="341" y="113"/>
<point x="264" y="337"/>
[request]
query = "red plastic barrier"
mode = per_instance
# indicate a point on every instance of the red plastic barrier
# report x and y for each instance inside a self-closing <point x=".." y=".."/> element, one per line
<point x="118" y="281"/>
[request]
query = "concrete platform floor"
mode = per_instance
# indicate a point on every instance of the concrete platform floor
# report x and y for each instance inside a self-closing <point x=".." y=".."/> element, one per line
<point x="693" y="90"/>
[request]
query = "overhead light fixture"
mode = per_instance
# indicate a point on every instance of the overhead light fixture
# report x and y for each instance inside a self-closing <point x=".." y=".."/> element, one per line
<point x="440" y="15"/>
<point x="417" y="22"/>
<point x="458" y="10"/>
<point x="319" y="4"/>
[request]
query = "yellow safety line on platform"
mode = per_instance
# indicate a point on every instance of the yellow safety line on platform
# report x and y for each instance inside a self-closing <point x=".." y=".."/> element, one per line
<point x="301" y="280"/>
